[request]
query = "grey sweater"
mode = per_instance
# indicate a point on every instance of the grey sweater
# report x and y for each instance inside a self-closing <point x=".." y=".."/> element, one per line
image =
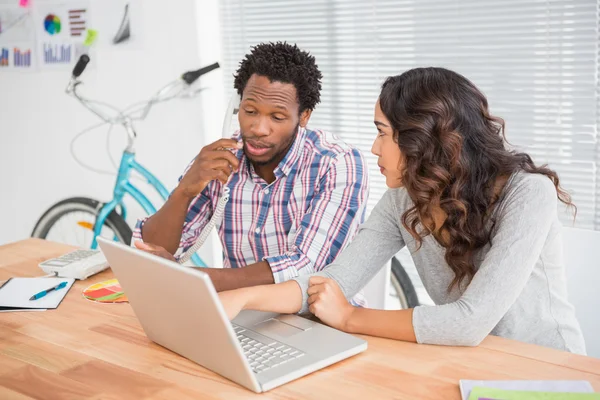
<point x="519" y="289"/>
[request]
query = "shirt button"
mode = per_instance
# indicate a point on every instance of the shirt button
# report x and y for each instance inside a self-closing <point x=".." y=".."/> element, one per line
<point x="266" y="191"/>
<point x="257" y="230"/>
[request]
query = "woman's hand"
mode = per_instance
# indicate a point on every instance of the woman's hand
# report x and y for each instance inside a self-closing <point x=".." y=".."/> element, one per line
<point x="327" y="302"/>
<point x="233" y="302"/>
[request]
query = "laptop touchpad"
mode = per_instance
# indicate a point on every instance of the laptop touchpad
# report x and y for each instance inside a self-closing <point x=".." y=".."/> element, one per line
<point x="275" y="327"/>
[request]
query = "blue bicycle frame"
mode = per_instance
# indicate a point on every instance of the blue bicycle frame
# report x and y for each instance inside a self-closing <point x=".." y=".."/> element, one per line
<point x="123" y="186"/>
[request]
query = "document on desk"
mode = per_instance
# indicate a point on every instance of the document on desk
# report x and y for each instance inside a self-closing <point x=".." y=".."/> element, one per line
<point x="481" y="393"/>
<point x="466" y="386"/>
<point x="16" y="292"/>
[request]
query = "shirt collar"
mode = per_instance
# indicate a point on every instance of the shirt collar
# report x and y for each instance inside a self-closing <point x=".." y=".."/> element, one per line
<point x="291" y="158"/>
<point x="286" y="165"/>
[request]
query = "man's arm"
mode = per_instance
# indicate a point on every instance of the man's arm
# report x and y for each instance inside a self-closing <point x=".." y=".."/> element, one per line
<point x="234" y="278"/>
<point x="165" y="228"/>
<point x="223" y="278"/>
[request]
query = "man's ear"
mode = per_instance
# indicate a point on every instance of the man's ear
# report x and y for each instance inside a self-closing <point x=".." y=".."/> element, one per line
<point x="304" y="117"/>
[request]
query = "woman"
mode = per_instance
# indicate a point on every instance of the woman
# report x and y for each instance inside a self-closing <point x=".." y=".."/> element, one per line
<point x="479" y="220"/>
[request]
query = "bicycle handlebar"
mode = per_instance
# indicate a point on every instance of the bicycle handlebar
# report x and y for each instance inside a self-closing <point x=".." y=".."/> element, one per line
<point x="188" y="77"/>
<point x="80" y="66"/>
<point x="168" y="92"/>
<point x="191" y="76"/>
<point x="125" y="117"/>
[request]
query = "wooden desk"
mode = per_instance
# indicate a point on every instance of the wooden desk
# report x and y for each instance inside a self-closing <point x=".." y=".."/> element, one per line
<point x="86" y="350"/>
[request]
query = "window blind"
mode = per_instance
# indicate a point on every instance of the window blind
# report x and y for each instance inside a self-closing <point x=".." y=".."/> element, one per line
<point x="535" y="60"/>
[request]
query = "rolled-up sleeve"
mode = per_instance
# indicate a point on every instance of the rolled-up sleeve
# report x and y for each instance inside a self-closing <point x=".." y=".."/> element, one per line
<point x="198" y="216"/>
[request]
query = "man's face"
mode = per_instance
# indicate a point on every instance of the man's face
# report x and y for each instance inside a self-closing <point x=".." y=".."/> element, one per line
<point x="269" y="119"/>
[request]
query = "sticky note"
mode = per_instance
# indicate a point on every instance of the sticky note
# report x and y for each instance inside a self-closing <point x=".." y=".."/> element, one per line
<point x="96" y="294"/>
<point x="91" y="37"/>
<point x="24" y="3"/>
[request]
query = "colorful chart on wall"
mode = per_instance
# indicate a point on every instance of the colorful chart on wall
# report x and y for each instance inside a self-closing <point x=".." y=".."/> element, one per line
<point x="52" y="35"/>
<point x="17" y="38"/>
<point x="52" y="24"/>
<point x="106" y="292"/>
<point x="61" y="31"/>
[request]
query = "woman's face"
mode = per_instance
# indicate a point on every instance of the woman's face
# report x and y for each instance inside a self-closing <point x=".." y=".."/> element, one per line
<point x="390" y="160"/>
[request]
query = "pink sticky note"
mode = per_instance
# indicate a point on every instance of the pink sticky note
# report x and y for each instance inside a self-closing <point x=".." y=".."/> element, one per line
<point x="24" y="3"/>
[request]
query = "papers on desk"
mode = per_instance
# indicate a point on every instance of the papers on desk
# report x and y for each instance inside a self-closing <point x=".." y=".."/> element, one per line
<point x="15" y="294"/>
<point x="527" y="390"/>
<point x="480" y="393"/>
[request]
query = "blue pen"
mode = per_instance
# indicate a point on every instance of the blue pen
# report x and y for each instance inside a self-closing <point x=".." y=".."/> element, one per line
<point x="45" y="292"/>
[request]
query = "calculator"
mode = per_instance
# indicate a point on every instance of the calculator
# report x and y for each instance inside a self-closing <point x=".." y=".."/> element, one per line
<point x="78" y="264"/>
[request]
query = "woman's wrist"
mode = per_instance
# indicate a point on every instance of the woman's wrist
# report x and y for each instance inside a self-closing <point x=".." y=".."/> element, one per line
<point x="349" y="322"/>
<point x="248" y="296"/>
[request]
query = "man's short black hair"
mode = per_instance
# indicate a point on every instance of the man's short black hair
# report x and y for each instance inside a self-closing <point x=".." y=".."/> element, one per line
<point x="286" y="63"/>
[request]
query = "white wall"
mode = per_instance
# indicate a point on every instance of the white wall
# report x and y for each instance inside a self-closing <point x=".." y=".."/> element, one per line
<point x="38" y="121"/>
<point x="581" y="254"/>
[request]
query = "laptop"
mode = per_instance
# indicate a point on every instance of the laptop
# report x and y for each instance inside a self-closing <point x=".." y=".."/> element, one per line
<point x="179" y="309"/>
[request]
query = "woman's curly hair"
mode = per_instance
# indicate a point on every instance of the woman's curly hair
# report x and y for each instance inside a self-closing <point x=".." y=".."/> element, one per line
<point x="454" y="154"/>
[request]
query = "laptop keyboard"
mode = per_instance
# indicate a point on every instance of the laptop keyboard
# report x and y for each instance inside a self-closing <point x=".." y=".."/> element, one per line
<point x="262" y="352"/>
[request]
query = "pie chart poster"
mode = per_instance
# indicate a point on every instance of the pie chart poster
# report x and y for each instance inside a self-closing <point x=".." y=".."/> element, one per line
<point x="61" y="30"/>
<point x="51" y="34"/>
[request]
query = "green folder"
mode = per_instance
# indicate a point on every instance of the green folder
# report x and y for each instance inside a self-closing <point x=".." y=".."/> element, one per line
<point x="499" y="394"/>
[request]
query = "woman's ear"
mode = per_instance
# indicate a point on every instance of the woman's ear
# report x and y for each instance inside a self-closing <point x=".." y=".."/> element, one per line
<point x="401" y="165"/>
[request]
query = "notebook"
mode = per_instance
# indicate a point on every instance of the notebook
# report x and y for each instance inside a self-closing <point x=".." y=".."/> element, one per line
<point x="466" y="386"/>
<point x="481" y="393"/>
<point x="15" y="294"/>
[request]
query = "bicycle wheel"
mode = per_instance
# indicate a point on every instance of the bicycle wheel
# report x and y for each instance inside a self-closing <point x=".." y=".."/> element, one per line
<point x="71" y="221"/>
<point x="403" y="286"/>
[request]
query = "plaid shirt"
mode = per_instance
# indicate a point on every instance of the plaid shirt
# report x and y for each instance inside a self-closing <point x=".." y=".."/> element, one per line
<point x="299" y="222"/>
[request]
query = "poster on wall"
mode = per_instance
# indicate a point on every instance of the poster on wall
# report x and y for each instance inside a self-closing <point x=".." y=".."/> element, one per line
<point x="17" y="38"/>
<point x="61" y="30"/>
<point x="45" y="35"/>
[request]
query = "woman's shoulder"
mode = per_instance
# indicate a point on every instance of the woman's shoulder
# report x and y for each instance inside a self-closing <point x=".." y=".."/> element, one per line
<point x="524" y="187"/>
<point x="399" y="197"/>
<point x="528" y="197"/>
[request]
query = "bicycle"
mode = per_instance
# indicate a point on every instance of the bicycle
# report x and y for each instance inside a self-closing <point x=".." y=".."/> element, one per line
<point x="80" y="220"/>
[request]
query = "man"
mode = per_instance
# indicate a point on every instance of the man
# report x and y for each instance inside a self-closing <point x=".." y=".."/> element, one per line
<point x="297" y="195"/>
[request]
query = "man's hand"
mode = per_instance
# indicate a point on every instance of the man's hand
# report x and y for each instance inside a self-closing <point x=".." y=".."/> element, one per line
<point x="327" y="302"/>
<point x="214" y="161"/>
<point x="154" y="249"/>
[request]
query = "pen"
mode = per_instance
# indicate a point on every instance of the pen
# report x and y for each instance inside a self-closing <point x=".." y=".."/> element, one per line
<point x="45" y="292"/>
